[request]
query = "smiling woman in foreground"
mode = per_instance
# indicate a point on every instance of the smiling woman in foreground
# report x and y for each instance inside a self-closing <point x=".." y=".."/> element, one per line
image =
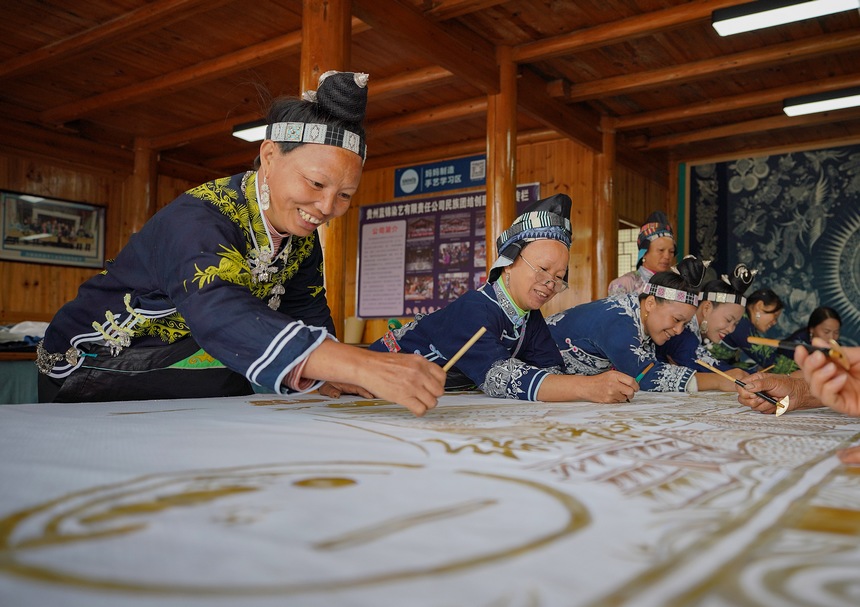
<point x="223" y="287"/>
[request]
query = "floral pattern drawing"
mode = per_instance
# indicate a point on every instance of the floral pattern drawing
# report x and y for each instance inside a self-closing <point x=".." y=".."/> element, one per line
<point x="794" y="217"/>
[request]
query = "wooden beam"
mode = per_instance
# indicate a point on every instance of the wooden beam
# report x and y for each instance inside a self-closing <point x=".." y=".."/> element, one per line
<point x="750" y="126"/>
<point x="708" y="68"/>
<point x="471" y="58"/>
<point x="155" y="15"/>
<point x="616" y="32"/>
<point x="194" y="75"/>
<point x="326" y="45"/>
<point x="737" y="102"/>
<point x="143" y="188"/>
<point x="604" y="237"/>
<point x="448" y="9"/>
<point x="430" y="117"/>
<point x="408" y="82"/>
<point x="501" y="209"/>
<point x="574" y="123"/>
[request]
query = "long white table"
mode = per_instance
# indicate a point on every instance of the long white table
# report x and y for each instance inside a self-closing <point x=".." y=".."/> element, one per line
<point x="673" y="499"/>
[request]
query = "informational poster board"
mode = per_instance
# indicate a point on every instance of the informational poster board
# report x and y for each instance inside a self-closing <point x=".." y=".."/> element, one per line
<point x="416" y="256"/>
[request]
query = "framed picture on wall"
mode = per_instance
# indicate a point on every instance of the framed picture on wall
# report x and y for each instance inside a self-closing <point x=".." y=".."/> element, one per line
<point x="39" y="229"/>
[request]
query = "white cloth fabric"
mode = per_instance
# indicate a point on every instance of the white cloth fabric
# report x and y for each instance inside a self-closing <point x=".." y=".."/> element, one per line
<point x="274" y="500"/>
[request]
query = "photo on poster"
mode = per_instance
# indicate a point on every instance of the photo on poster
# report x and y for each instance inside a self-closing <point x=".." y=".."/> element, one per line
<point x="454" y="253"/>
<point x="480" y="257"/>
<point x="480" y="224"/>
<point x="478" y="279"/>
<point x="455" y="225"/>
<point x="418" y="287"/>
<point x="452" y="285"/>
<point x="419" y="256"/>
<point x="420" y="227"/>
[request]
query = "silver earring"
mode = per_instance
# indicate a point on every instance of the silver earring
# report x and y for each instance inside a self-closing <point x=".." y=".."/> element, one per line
<point x="507" y="279"/>
<point x="757" y="315"/>
<point x="265" y="196"/>
<point x="704" y="326"/>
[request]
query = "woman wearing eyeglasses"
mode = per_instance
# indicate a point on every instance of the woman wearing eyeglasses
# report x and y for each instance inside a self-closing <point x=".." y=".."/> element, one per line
<point x="516" y="357"/>
<point x="622" y="332"/>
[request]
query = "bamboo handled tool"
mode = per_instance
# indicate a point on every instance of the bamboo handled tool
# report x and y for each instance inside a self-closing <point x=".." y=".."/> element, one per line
<point x="833" y="352"/>
<point x="644" y="371"/>
<point x="781" y="404"/>
<point x="463" y="350"/>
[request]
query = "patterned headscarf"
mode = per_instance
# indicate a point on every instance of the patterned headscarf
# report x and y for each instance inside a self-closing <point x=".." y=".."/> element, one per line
<point x="547" y="219"/>
<point x="656" y="226"/>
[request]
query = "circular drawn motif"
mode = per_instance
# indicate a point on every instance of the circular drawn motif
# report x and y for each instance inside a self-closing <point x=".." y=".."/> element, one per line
<point x="185" y="533"/>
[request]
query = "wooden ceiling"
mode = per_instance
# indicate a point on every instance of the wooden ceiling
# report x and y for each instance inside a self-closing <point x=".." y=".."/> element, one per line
<point x="90" y="80"/>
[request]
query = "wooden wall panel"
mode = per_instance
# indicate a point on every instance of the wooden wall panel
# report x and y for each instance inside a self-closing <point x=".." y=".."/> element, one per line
<point x="636" y="196"/>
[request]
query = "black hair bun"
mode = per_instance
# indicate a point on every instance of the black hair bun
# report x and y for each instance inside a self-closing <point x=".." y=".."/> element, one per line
<point x="342" y="94"/>
<point x="692" y="270"/>
<point x="741" y="278"/>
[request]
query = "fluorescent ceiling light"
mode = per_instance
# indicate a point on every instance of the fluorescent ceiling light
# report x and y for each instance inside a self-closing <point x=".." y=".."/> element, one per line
<point x="768" y="13"/>
<point x="822" y="102"/>
<point x="253" y="131"/>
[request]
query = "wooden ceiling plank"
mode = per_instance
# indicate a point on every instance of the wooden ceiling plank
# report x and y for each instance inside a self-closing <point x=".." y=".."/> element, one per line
<point x="194" y="75"/>
<point x="430" y="117"/>
<point x="571" y="122"/>
<point x="737" y="102"/>
<point x="454" y="150"/>
<point x="708" y="68"/>
<point x="749" y="127"/>
<point x="178" y="139"/>
<point x="617" y="32"/>
<point x="19" y="137"/>
<point x="472" y="58"/>
<point x="388" y="87"/>
<point x="134" y="24"/>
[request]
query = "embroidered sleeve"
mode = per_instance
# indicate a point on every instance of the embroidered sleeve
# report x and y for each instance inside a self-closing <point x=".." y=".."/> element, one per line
<point x="512" y="378"/>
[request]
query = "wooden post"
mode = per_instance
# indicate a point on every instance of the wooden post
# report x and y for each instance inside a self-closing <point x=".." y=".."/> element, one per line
<point x="605" y="237"/>
<point x="501" y="153"/>
<point x="326" y="40"/>
<point x="142" y="190"/>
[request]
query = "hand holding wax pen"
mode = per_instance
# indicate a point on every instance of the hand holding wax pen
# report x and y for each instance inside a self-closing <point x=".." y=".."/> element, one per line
<point x="781" y="404"/>
<point x="642" y="374"/>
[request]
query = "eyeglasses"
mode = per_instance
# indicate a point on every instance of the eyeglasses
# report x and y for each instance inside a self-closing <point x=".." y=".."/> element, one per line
<point x="544" y="278"/>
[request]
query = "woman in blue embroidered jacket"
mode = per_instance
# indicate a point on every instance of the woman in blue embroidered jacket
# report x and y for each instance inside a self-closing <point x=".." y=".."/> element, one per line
<point x="621" y="332"/>
<point x="516" y="357"/>
<point x="656" y="243"/>
<point x="224" y="286"/>
<point x="721" y="306"/>
<point x="763" y="309"/>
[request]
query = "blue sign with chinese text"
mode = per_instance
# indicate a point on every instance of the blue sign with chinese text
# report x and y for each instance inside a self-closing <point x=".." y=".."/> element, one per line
<point x="440" y="176"/>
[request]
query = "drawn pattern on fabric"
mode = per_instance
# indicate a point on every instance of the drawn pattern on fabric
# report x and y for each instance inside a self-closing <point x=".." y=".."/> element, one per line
<point x="678" y="495"/>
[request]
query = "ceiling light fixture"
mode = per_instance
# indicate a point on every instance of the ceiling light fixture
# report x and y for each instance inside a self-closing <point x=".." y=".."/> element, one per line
<point x="822" y="102"/>
<point x="768" y="13"/>
<point x="250" y="131"/>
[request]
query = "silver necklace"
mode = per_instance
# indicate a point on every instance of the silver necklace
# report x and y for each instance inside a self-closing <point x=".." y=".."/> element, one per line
<point x="263" y="267"/>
